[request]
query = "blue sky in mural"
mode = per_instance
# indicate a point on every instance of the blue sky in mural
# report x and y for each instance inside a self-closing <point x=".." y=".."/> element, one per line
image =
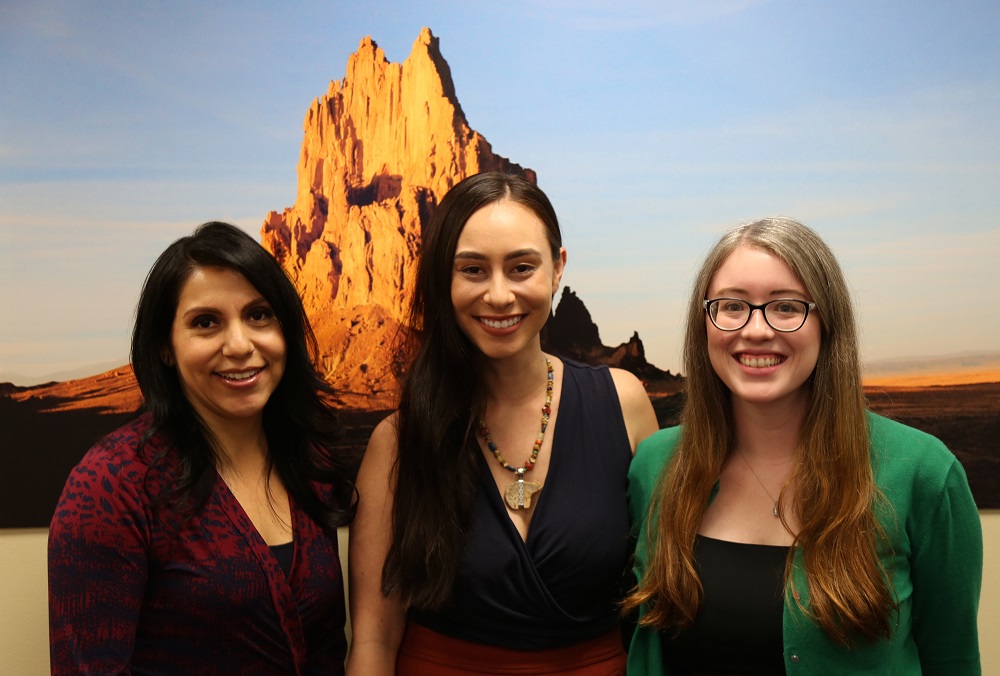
<point x="652" y="125"/>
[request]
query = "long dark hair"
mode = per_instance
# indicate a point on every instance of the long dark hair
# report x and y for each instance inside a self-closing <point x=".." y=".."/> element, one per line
<point x="300" y="425"/>
<point x="436" y="474"/>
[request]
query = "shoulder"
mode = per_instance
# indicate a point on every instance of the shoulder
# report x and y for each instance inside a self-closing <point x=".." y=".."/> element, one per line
<point x="903" y="451"/>
<point x="592" y="384"/>
<point x="655" y="450"/>
<point x="118" y="455"/>
<point x="629" y="389"/>
<point x="651" y="457"/>
<point x="915" y="470"/>
<point x="577" y="370"/>
<point x="110" y="479"/>
<point x="640" y="418"/>
<point x="890" y="434"/>
<point x="627" y="384"/>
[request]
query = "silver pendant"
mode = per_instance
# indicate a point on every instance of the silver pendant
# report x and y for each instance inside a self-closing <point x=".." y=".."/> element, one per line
<point x="518" y="493"/>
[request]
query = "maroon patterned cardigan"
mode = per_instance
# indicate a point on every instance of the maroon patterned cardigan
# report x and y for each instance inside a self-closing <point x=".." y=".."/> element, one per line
<point x="128" y="595"/>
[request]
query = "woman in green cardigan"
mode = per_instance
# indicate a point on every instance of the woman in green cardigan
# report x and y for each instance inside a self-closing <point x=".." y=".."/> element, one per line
<point x="783" y="528"/>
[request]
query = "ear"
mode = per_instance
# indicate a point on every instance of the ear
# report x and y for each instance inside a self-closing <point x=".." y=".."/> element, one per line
<point x="167" y="356"/>
<point x="557" y="269"/>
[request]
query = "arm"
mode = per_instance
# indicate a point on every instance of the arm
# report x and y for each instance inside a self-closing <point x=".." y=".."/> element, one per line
<point x="377" y="621"/>
<point x="947" y="571"/>
<point x="97" y="563"/>
<point x="640" y="419"/>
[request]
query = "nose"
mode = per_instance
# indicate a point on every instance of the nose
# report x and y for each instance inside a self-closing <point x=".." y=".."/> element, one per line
<point x="498" y="291"/>
<point x="757" y="325"/>
<point x="237" y="341"/>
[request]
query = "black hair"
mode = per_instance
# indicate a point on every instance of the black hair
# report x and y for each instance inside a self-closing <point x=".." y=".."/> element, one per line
<point x="299" y="422"/>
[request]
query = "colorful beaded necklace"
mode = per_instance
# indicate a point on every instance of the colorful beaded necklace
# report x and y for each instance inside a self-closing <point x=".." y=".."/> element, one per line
<point x="519" y="492"/>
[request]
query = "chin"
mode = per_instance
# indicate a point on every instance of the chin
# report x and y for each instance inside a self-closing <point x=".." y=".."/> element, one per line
<point x="770" y="395"/>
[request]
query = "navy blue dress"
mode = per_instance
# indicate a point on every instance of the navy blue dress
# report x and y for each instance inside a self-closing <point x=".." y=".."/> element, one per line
<point x="561" y="585"/>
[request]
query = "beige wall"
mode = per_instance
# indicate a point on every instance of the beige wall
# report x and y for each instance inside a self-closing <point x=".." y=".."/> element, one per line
<point x="24" y="620"/>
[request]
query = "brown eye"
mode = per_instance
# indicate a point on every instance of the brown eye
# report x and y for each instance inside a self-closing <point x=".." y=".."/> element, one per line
<point x="260" y="315"/>
<point x="203" y="322"/>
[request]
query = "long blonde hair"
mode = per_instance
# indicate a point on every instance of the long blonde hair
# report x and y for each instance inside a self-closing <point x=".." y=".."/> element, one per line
<point x="835" y="493"/>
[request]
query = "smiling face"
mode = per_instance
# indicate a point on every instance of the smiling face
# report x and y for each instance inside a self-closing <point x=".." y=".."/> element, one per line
<point x="503" y="279"/>
<point x="758" y="364"/>
<point x="227" y="346"/>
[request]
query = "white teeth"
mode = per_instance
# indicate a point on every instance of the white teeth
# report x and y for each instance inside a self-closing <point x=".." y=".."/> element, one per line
<point x="759" y="362"/>
<point x="503" y="323"/>
<point x="242" y="375"/>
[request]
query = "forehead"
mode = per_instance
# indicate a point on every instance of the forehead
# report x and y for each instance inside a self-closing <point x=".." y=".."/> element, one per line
<point x="215" y="285"/>
<point x="504" y="224"/>
<point x="750" y="268"/>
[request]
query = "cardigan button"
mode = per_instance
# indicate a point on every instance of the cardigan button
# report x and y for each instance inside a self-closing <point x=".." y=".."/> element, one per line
<point x="794" y="659"/>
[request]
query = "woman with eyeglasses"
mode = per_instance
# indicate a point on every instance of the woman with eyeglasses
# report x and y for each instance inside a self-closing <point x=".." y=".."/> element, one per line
<point x="783" y="528"/>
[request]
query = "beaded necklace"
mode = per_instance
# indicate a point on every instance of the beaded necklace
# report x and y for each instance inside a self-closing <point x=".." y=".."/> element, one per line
<point x="519" y="492"/>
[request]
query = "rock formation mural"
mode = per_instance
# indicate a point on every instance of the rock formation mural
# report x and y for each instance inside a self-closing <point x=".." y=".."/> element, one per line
<point x="380" y="150"/>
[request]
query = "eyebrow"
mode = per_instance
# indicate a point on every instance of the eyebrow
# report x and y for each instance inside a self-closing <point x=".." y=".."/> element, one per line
<point x="775" y="292"/>
<point x="519" y="253"/>
<point x="207" y="309"/>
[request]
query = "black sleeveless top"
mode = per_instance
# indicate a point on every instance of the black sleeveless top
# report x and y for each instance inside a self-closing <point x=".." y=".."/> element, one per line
<point x="738" y="629"/>
<point x="561" y="585"/>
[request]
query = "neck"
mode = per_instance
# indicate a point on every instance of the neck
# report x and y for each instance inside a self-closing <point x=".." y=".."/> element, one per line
<point x="241" y="443"/>
<point x="517" y="378"/>
<point x="770" y="433"/>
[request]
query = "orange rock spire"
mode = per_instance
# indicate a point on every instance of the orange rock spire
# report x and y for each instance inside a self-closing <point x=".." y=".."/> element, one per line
<point x="379" y="152"/>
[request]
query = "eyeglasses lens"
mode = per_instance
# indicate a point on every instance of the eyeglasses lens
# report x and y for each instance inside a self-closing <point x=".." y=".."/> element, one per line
<point x="730" y="314"/>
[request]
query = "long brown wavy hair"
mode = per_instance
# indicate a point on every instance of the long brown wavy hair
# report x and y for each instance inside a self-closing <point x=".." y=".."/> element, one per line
<point x="849" y="592"/>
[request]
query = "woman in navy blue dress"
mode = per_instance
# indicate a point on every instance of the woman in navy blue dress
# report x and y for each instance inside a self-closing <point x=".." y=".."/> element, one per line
<point x="492" y="533"/>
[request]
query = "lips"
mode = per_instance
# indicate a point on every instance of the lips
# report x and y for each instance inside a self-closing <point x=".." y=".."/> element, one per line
<point x="239" y="376"/>
<point x="505" y="323"/>
<point x="760" y="361"/>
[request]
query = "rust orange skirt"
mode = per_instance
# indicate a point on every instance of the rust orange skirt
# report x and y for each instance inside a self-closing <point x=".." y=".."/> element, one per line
<point x="427" y="653"/>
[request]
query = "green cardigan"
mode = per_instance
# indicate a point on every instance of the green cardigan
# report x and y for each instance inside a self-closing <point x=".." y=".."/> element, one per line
<point x="936" y="563"/>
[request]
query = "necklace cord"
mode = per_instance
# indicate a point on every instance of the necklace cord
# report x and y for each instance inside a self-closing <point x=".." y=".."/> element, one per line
<point x="774" y="509"/>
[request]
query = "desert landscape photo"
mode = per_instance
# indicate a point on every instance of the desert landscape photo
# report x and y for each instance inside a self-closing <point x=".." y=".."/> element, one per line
<point x="642" y="185"/>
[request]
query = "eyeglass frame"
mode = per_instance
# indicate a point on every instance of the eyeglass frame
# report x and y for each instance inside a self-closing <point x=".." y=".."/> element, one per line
<point x="763" y="313"/>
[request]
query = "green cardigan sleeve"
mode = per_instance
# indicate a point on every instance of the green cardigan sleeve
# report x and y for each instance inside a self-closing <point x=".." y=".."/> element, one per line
<point x="928" y="488"/>
<point x="645" y="657"/>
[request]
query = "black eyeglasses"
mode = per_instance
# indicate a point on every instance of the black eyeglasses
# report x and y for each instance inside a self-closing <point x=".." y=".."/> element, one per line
<point x="782" y="314"/>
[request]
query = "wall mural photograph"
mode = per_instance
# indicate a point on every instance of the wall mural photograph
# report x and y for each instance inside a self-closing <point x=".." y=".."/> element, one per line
<point x="330" y="133"/>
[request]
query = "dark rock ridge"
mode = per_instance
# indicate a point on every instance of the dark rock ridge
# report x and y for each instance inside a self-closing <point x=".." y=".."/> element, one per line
<point x="571" y="333"/>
